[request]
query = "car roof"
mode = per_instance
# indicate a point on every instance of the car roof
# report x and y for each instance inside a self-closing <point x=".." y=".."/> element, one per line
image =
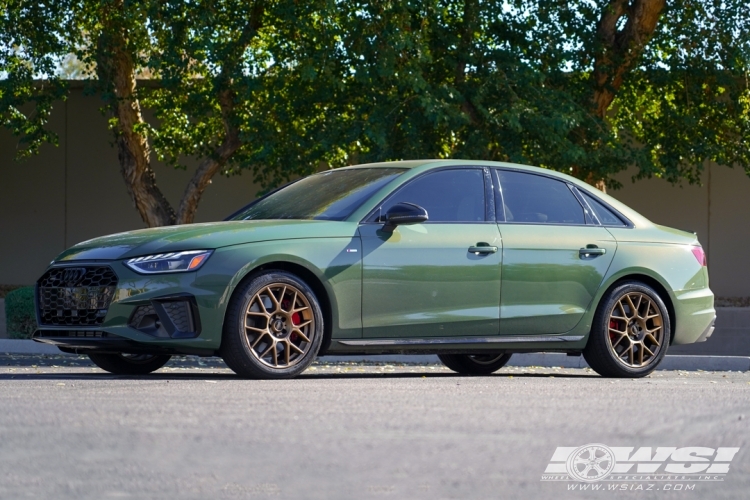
<point x="434" y="163"/>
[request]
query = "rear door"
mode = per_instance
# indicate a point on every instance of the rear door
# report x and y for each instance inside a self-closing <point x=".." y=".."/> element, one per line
<point x="423" y="280"/>
<point x="555" y="256"/>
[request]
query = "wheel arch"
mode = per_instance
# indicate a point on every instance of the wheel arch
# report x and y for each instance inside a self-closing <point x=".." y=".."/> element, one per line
<point x="310" y="278"/>
<point x="659" y="287"/>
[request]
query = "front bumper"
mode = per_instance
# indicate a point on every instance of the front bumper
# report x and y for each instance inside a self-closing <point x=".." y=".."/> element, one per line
<point x="103" y="342"/>
<point x="144" y="317"/>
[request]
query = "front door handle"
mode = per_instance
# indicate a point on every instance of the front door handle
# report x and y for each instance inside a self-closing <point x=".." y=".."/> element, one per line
<point x="591" y="251"/>
<point x="482" y="248"/>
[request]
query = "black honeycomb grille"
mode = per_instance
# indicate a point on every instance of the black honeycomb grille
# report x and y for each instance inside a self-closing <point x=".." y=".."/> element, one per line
<point x="75" y="296"/>
<point x="136" y="321"/>
<point x="180" y="314"/>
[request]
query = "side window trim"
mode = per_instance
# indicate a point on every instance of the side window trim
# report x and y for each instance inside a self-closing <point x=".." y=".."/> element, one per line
<point x="625" y="221"/>
<point x="372" y="217"/>
<point x="590" y="215"/>
<point x="499" y="199"/>
<point x="502" y="201"/>
<point x="489" y="196"/>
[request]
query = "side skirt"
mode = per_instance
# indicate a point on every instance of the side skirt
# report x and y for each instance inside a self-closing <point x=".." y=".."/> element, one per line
<point x="458" y="340"/>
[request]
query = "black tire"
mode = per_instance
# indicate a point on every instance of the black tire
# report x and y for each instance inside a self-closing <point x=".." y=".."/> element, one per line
<point x="129" y="364"/>
<point x="242" y="348"/>
<point x="475" y="364"/>
<point x="598" y="352"/>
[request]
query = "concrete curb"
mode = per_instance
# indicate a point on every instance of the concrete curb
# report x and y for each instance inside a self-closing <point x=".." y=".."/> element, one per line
<point x="21" y="346"/>
<point x="3" y="328"/>
<point x="671" y="362"/>
<point x="548" y="359"/>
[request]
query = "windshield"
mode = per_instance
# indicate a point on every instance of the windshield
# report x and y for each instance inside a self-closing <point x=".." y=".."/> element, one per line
<point x="331" y="195"/>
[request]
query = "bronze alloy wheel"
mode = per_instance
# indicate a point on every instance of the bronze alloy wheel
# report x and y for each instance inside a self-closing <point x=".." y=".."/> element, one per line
<point x="279" y="324"/>
<point x="274" y="327"/>
<point x="636" y="330"/>
<point x="630" y="332"/>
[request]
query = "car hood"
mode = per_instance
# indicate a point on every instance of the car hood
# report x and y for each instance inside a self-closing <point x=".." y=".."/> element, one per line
<point x="202" y="236"/>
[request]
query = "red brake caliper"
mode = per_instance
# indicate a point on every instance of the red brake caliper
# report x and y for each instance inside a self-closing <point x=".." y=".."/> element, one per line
<point x="613" y="324"/>
<point x="295" y="321"/>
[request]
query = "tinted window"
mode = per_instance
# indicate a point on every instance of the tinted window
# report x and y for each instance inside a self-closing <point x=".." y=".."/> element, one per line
<point x="606" y="216"/>
<point x="447" y="195"/>
<point x="530" y="198"/>
<point x="332" y="195"/>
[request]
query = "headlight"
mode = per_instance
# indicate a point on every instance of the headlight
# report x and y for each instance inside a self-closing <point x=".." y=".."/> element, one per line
<point x="175" y="262"/>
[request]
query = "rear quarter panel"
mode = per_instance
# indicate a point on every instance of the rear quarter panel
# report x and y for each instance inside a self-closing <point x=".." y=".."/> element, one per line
<point x="672" y="264"/>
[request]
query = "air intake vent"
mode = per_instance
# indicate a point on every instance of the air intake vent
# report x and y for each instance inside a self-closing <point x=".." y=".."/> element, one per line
<point x="81" y="334"/>
<point x="168" y="317"/>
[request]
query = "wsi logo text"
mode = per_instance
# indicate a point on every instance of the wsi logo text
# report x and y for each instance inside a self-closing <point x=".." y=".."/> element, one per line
<point x="598" y="462"/>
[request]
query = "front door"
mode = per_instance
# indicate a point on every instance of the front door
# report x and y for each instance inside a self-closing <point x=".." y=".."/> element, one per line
<point x="423" y="280"/>
<point x="553" y="262"/>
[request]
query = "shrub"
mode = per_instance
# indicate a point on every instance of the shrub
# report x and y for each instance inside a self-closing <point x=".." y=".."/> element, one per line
<point x="20" y="316"/>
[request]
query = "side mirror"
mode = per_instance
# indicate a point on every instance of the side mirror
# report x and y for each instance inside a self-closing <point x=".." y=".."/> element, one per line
<point x="402" y="214"/>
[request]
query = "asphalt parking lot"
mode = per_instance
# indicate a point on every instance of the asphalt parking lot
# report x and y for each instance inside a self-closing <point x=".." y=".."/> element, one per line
<point x="349" y="431"/>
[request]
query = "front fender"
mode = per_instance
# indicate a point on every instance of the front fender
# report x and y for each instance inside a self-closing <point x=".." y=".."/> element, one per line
<point x="335" y="262"/>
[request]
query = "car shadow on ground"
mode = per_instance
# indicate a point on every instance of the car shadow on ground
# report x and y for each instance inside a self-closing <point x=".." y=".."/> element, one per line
<point x="215" y="377"/>
<point x="70" y="367"/>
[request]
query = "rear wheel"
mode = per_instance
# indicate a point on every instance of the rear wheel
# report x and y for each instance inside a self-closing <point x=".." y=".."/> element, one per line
<point x="630" y="334"/>
<point x="274" y="327"/>
<point x="474" y="364"/>
<point x="129" y="364"/>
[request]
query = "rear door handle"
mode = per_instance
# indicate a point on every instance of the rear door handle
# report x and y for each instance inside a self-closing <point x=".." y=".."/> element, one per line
<point x="591" y="251"/>
<point x="482" y="248"/>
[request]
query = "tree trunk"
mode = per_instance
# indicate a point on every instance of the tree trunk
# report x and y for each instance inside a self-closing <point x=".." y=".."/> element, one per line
<point x="116" y="71"/>
<point x="210" y="166"/>
<point x="468" y="26"/>
<point x="619" y="51"/>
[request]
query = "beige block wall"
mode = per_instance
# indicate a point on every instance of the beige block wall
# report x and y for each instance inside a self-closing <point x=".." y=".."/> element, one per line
<point x="75" y="192"/>
<point x="719" y="211"/>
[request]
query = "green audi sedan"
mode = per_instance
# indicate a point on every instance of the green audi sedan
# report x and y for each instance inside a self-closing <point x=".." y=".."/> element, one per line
<point x="469" y="260"/>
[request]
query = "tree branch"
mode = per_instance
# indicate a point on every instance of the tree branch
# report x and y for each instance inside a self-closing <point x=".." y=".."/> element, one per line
<point x="470" y="14"/>
<point x="226" y="97"/>
<point x="619" y="51"/>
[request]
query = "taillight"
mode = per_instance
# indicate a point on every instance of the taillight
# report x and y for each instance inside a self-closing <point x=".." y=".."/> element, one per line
<point x="700" y="255"/>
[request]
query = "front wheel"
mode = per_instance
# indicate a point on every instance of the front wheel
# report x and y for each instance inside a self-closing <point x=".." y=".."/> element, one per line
<point x="630" y="333"/>
<point x="273" y="327"/>
<point x="474" y="364"/>
<point x="129" y="364"/>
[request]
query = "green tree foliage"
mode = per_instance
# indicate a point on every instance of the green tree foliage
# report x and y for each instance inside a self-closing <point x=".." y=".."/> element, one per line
<point x="283" y="87"/>
<point x="20" y="315"/>
<point x="232" y="92"/>
<point x="585" y="87"/>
